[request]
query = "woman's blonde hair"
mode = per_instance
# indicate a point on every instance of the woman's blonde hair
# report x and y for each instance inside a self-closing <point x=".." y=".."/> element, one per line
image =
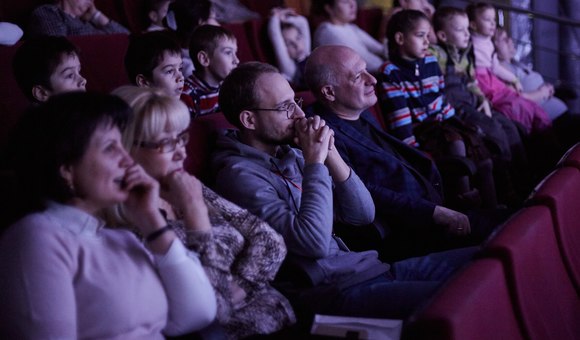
<point x="153" y="114"/>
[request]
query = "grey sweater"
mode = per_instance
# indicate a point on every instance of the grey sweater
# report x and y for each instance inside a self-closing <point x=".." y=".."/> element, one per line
<point x="301" y="203"/>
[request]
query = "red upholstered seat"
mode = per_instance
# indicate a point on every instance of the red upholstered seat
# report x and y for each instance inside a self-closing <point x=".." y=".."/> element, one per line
<point x="262" y="7"/>
<point x="543" y="295"/>
<point x="571" y="157"/>
<point x="475" y="304"/>
<point x="12" y="100"/>
<point x="102" y="59"/>
<point x="203" y="130"/>
<point x="369" y="20"/>
<point x="560" y="192"/>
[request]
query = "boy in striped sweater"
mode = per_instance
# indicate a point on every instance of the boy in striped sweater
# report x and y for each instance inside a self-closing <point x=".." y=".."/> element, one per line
<point x="417" y="112"/>
<point x="213" y="51"/>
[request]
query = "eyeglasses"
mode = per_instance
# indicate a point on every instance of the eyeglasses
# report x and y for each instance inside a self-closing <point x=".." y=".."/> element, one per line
<point x="167" y="144"/>
<point x="290" y="108"/>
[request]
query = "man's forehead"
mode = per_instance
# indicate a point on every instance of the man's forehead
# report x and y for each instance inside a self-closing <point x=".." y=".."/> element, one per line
<point x="272" y="87"/>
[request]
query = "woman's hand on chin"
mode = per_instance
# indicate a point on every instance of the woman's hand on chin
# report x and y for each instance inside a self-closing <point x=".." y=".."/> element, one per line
<point x="142" y="205"/>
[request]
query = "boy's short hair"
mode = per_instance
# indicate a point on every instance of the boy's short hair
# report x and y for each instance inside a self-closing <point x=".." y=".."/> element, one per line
<point x="36" y="60"/>
<point x="238" y="93"/>
<point x="206" y="38"/>
<point x="444" y="15"/>
<point x="473" y="9"/>
<point x="146" y="51"/>
<point x="403" y="21"/>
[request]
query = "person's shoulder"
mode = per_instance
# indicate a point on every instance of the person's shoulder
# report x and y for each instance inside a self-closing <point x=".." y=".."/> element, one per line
<point x="46" y="9"/>
<point x="388" y="68"/>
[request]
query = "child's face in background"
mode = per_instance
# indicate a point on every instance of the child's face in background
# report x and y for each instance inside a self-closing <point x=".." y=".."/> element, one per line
<point x="504" y="46"/>
<point x="158" y="14"/>
<point x="167" y="76"/>
<point x="294" y="43"/>
<point x="414" y="43"/>
<point x="223" y="60"/>
<point x="456" y="32"/>
<point x="67" y="75"/>
<point x="484" y="23"/>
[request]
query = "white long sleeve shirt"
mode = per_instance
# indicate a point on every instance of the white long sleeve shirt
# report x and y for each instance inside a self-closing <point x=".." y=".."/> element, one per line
<point x="63" y="275"/>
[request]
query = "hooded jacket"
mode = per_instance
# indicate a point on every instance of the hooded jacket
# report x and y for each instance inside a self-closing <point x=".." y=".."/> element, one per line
<point x="301" y="202"/>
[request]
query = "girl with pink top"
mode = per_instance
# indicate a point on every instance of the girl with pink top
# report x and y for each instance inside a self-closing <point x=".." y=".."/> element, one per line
<point x="493" y="77"/>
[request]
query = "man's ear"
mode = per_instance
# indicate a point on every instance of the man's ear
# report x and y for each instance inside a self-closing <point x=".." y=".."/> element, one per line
<point x="203" y="58"/>
<point x="441" y="36"/>
<point x="40" y="93"/>
<point x="328" y="93"/>
<point x="141" y="81"/>
<point x="399" y="38"/>
<point x="248" y="119"/>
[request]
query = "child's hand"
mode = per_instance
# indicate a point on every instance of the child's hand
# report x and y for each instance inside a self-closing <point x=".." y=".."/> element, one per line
<point x="517" y="86"/>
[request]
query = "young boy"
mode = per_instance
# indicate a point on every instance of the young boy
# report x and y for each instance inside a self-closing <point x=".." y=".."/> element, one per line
<point x="153" y="59"/>
<point x="213" y="51"/>
<point x="46" y="66"/>
<point x="417" y="112"/>
<point x="454" y="52"/>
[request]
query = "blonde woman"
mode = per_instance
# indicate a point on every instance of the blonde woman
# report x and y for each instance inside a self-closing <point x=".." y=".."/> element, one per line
<point x="239" y="252"/>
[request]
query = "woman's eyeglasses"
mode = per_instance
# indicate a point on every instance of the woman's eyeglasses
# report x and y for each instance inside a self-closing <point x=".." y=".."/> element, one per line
<point x="167" y="144"/>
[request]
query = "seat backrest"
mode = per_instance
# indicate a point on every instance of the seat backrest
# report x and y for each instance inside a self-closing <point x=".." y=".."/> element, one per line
<point x="560" y="191"/>
<point x="571" y="157"/>
<point x="102" y="59"/>
<point x="136" y="14"/>
<point x="262" y="7"/>
<point x="18" y="12"/>
<point x="12" y="101"/>
<point x="474" y="304"/>
<point x="370" y="20"/>
<point x="203" y="131"/>
<point x="257" y="30"/>
<point x="543" y="295"/>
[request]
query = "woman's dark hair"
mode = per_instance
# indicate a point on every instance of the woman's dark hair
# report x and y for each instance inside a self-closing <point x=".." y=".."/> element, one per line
<point x="58" y="133"/>
<point x="403" y="21"/>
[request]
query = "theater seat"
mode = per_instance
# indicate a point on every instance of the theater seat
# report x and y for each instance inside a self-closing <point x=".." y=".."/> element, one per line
<point x="203" y="131"/>
<point x="12" y="100"/>
<point x="542" y="293"/>
<point x="475" y="305"/>
<point x="370" y="20"/>
<point x="560" y="192"/>
<point x="571" y="157"/>
<point x="102" y="60"/>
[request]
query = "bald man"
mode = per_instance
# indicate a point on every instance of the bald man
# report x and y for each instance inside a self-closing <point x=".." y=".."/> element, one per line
<point x="405" y="184"/>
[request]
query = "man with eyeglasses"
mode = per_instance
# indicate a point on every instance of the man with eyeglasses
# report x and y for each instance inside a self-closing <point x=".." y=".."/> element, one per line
<point x="301" y="193"/>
